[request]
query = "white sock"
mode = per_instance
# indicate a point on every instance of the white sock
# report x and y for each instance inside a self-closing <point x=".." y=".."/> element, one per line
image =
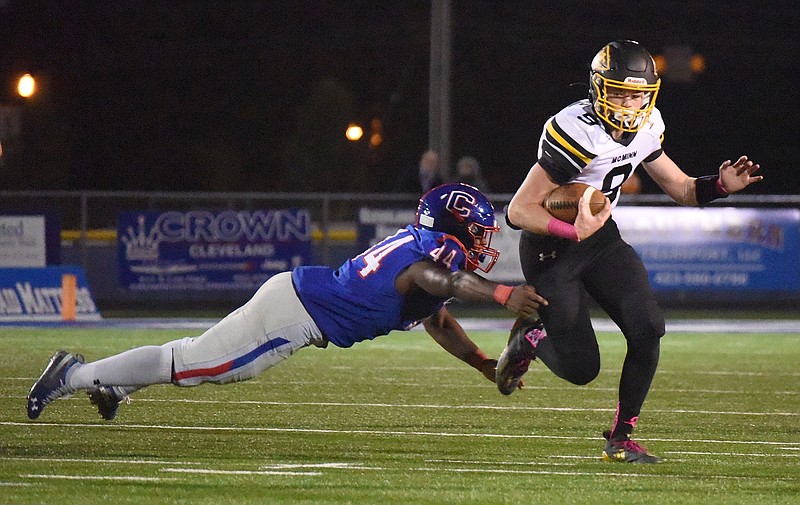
<point x="133" y="369"/>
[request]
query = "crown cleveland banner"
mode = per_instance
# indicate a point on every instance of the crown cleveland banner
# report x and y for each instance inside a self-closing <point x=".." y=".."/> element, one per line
<point x="201" y="250"/>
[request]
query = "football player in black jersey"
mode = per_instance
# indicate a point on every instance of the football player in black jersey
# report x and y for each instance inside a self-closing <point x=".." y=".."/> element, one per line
<point x="600" y="141"/>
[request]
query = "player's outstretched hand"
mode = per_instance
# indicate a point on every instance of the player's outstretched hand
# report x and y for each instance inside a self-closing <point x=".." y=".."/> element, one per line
<point x="587" y="223"/>
<point x="736" y="176"/>
<point x="524" y="300"/>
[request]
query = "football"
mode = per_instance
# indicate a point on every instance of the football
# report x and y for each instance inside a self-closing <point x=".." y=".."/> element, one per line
<point x="562" y="202"/>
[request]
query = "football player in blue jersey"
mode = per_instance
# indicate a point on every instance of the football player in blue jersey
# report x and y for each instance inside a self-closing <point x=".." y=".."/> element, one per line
<point x="600" y="141"/>
<point x="405" y="279"/>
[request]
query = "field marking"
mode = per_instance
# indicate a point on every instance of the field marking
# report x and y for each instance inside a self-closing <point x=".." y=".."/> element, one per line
<point x="600" y="473"/>
<point x="100" y="461"/>
<point x="465" y="407"/>
<point x="354" y="466"/>
<point x="127" y="478"/>
<point x="210" y="471"/>
<point x="17" y="484"/>
<point x="515" y="463"/>
<point x="291" y="469"/>
<point x="266" y="429"/>
<point x="748" y="454"/>
<point x="523" y="408"/>
<point x="578" y="473"/>
<point x="731" y="374"/>
<point x="535" y="472"/>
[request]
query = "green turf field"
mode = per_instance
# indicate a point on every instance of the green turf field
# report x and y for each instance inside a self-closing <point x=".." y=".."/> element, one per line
<point x="398" y="421"/>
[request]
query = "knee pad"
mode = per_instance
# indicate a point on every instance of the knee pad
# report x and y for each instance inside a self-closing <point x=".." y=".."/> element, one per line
<point x="583" y="375"/>
<point x="174" y="347"/>
<point x="578" y="368"/>
<point x="643" y="323"/>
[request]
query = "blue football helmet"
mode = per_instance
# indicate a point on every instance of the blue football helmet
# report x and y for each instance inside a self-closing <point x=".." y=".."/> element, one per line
<point x="465" y="213"/>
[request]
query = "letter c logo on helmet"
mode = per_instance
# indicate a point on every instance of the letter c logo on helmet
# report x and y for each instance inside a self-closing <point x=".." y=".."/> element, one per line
<point x="460" y="203"/>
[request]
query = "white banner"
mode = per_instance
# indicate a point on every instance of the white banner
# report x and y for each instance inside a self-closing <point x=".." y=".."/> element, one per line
<point x="22" y="241"/>
<point x="507" y="268"/>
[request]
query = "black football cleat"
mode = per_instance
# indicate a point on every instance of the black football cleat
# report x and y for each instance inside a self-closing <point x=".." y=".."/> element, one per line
<point x="518" y="354"/>
<point x="106" y="400"/>
<point x="626" y="451"/>
<point x="52" y="384"/>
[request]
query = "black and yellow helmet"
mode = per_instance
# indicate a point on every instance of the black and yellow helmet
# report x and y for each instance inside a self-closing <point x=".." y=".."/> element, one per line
<point x="623" y="65"/>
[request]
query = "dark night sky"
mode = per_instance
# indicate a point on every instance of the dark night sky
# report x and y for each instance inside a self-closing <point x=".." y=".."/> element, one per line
<point x="254" y="95"/>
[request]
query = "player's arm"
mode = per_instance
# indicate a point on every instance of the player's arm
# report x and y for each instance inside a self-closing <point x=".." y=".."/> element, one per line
<point x="523" y="300"/>
<point x="685" y="190"/>
<point x="526" y="210"/>
<point x="449" y="334"/>
<point x="675" y="183"/>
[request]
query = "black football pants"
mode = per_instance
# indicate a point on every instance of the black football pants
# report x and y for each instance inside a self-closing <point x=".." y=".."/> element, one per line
<point x="605" y="267"/>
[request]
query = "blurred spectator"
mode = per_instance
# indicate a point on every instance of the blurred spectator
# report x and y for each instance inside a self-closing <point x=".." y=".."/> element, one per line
<point x="426" y="176"/>
<point x="468" y="171"/>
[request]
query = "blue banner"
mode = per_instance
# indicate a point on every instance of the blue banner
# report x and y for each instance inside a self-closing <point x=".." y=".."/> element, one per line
<point x="698" y="252"/>
<point x="34" y="295"/>
<point x="716" y="249"/>
<point x="201" y="250"/>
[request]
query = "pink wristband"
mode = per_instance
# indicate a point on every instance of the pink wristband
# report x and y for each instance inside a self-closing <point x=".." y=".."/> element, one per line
<point x="502" y="293"/>
<point x="720" y="188"/>
<point x="561" y="229"/>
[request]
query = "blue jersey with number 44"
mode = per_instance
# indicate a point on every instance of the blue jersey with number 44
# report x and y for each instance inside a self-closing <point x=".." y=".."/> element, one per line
<point x="358" y="301"/>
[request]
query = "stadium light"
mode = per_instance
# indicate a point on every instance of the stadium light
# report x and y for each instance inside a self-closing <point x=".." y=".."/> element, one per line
<point x="354" y="132"/>
<point x="26" y="86"/>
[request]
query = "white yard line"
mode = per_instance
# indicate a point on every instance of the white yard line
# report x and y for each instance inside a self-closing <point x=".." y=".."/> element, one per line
<point x="455" y="466"/>
<point x="595" y="474"/>
<point x="454" y="407"/>
<point x="265" y="429"/>
<point x="746" y="454"/>
<point x="351" y="466"/>
<point x="211" y="471"/>
<point x="128" y="478"/>
<point x="96" y="461"/>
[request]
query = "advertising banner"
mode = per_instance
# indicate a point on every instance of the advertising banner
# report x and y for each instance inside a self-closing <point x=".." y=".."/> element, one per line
<point x="201" y="250"/>
<point x="375" y="225"/>
<point x="35" y="295"/>
<point x="22" y="241"/>
<point x="716" y="249"/>
<point x="684" y="249"/>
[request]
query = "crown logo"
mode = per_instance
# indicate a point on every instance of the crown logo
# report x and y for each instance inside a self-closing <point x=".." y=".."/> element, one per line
<point x="141" y="246"/>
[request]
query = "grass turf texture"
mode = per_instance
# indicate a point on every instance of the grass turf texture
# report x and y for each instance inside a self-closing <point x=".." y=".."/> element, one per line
<point x="399" y="421"/>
